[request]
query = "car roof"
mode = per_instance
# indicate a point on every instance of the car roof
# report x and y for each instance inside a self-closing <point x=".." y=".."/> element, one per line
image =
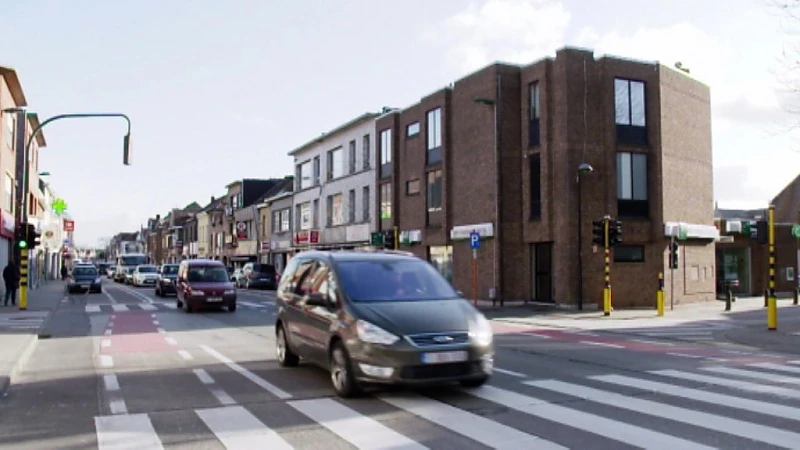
<point x="202" y="262"/>
<point x="354" y="255"/>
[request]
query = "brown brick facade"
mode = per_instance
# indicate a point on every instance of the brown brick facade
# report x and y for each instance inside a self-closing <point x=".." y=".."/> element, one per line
<point x="576" y="124"/>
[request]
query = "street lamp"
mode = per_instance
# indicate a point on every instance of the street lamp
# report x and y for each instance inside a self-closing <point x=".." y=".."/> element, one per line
<point x="583" y="169"/>
<point x="497" y="227"/>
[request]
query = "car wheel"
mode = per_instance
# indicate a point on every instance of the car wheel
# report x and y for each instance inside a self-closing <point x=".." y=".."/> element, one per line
<point x="286" y="357"/>
<point x="232" y="308"/>
<point x="474" y="382"/>
<point x="341" y="372"/>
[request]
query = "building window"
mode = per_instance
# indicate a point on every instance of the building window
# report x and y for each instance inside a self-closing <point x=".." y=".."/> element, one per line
<point x="434" y="128"/>
<point x="351" y="206"/>
<point x="285" y="221"/>
<point x="315" y="214"/>
<point x="386" y="153"/>
<point x="629" y="111"/>
<point x="352" y="157"/>
<point x="9" y="187"/>
<point x="365" y="151"/>
<point x="305" y="216"/>
<point x="11" y="125"/>
<point x="386" y="201"/>
<point x="366" y="203"/>
<point x="335" y="164"/>
<point x="317" y="171"/>
<point x="533" y="114"/>
<point x="441" y="258"/>
<point x="629" y="254"/>
<point x="276" y="222"/>
<point x="632" y="185"/>
<point x="412" y="187"/>
<point x="304" y="178"/>
<point x="535" y="162"/>
<point x="412" y="129"/>
<point x="434" y="190"/>
<point x="336" y="211"/>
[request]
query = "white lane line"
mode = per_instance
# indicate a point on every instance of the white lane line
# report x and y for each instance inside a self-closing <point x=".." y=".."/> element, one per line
<point x="223" y="397"/>
<point x="543" y="336"/>
<point x="161" y="330"/>
<point x="105" y="343"/>
<point x="111" y="382"/>
<point x="250" y="304"/>
<point x="473" y="426"/>
<point x="747" y="430"/>
<point x="107" y="332"/>
<point x="686" y="355"/>
<point x="621" y="431"/>
<point x="118" y="307"/>
<point x="776" y="367"/>
<point x="361" y="431"/>
<point x="645" y="341"/>
<point x="153" y="316"/>
<point x="203" y="376"/>
<point x="185" y="355"/>
<point x="771" y="377"/>
<point x="155" y="322"/>
<point x="171" y="341"/>
<point x="118" y="406"/>
<point x="510" y="372"/>
<point x="133" y="431"/>
<point x="602" y="344"/>
<point x="106" y="361"/>
<point x="264" y="384"/>
<point x="147" y="307"/>
<point x="236" y="427"/>
<point x="110" y="297"/>
<point x="92" y="308"/>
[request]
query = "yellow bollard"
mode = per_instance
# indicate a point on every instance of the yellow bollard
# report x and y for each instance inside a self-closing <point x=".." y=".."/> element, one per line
<point x="606" y="301"/>
<point x="660" y="294"/>
<point x="772" y="314"/>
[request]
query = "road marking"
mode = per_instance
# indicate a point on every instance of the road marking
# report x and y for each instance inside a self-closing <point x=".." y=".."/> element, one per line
<point x="747" y="430"/>
<point x="361" y="431"/>
<point x="543" y="336"/>
<point x="106" y="361"/>
<point x="107" y="332"/>
<point x="752" y="374"/>
<point x="105" y="343"/>
<point x="171" y="341"/>
<point x="185" y="355"/>
<point x="110" y="324"/>
<point x="204" y="377"/>
<point x="686" y="355"/>
<point x="250" y="304"/>
<point x="153" y="316"/>
<point x="118" y="406"/>
<point x="134" y="431"/>
<point x="155" y="322"/>
<point x="161" y="330"/>
<point x="110" y="298"/>
<point x="92" y="308"/>
<point x="767" y="408"/>
<point x="510" y="372"/>
<point x="473" y="426"/>
<point x="147" y="307"/>
<point x="777" y="367"/>
<point x="223" y="397"/>
<point x="111" y="382"/>
<point x="620" y="431"/>
<point x="644" y="341"/>
<point x="264" y="384"/>
<point x="602" y="344"/>
<point x="236" y="427"/>
<point x="795" y="362"/>
<point x="736" y="384"/>
<point x="119" y="307"/>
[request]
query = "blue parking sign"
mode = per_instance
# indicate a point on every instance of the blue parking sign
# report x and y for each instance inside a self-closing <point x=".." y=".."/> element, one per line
<point x="474" y="240"/>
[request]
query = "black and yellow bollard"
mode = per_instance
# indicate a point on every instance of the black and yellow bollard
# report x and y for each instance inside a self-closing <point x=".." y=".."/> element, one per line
<point x="607" y="270"/>
<point x="772" y="302"/>
<point x="23" y="279"/>
<point x="728" y="299"/>
<point x="795" y="294"/>
<point x="660" y="294"/>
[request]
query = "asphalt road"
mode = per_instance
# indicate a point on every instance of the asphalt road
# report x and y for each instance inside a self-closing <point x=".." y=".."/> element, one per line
<point x="124" y="369"/>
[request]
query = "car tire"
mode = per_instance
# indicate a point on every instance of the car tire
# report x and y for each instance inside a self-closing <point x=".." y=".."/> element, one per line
<point x="344" y="383"/>
<point x="474" y="382"/>
<point x="283" y="352"/>
<point x="232" y="308"/>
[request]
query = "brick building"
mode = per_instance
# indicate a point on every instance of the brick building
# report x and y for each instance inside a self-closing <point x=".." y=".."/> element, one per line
<point x="504" y="144"/>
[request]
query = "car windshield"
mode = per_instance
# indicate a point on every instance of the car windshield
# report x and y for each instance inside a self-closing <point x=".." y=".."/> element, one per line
<point x="147" y="269"/>
<point x="393" y="280"/>
<point x="208" y="274"/>
<point x="84" y="271"/>
<point x="133" y="260"/>
<point x="264" y="268"/>
<point x="170" y="270"/>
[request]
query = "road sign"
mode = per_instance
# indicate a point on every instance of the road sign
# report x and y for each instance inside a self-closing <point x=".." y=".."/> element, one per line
<point x="474" y="240"/>
<point x="69" y="225"/>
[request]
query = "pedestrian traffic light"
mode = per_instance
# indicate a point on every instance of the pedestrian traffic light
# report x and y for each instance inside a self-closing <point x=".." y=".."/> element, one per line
<point x="673" y="255"/>
<point x="599" y="232"/>
<point x="761" y="232"/>
<point x="388" y="240"/>
<point x="614" y="233"/>
<point x="33" y="237"/>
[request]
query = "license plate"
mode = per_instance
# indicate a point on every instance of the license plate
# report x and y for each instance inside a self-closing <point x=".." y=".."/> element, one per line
<point x="214" y="299"/>
<point x="444" y="357"/>
<point x="86" y="285"/>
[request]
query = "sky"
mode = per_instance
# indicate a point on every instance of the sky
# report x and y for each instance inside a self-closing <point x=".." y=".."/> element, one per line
<point x="220" y="91"/>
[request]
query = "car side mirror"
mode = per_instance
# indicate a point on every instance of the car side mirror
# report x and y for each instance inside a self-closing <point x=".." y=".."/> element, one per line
<point x="317" y="299"/>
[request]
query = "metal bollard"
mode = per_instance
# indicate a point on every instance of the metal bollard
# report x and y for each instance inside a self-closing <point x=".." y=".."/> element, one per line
<point x="766" y="298"/>
<point x="660" y="294"/>
<point x="796" y="294"/>
<point x="728" y="300"/>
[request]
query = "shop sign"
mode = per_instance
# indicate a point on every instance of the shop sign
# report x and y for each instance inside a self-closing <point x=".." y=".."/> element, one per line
<point x="265" y="246"/>
<point x="69" y="226"/>
<point x="306" y="237"/>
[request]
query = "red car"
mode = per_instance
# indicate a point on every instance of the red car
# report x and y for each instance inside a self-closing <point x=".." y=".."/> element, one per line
<point x="204" y="283"/>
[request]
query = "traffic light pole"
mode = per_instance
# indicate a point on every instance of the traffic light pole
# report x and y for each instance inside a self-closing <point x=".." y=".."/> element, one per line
<point x="671" y="275"/>
<point x="607" y="252"/>
<point x="772" y="302"/>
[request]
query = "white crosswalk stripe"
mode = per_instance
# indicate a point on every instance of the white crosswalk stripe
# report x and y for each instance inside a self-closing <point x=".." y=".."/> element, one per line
<point x="726" y="406"/>
<point x="693" y="331"/>
<point x="108" y="308"/>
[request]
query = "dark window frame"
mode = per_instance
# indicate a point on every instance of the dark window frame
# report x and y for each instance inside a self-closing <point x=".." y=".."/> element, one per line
<point x="633" y="207"/>
<point x="434" y="136"/>
<point x="434" y="184"/>
<point x="637" y="257"/>
<point x="413" y="182"/>
<point x="534" y="114"/>
<point x="629" y="132"/>
<point x="535" y="189"/>
<point x="385" y="161"/>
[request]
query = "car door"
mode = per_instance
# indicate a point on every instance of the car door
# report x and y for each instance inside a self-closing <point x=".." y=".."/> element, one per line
<point x="294" y="314"/>
<point x="321" y="319"/>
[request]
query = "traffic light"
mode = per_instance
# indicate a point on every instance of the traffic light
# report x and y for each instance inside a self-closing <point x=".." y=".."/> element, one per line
<point x="761" y="232"/>
<point x="673" y="255"/>
<point x="599" y="232"/>
<point x="614" y="233"/>
<point x="388" y="240"/>
<point x="21" y="235"/>
<point x="33" y="237"/>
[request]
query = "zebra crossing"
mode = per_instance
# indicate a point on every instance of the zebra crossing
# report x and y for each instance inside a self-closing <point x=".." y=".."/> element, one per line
<point x="749" y="406"/>
<point x="109" y="308"/>
<point x="692" y="331"/>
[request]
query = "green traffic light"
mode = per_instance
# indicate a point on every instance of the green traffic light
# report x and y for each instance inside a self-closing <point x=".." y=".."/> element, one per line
<point x="23" y="244"/>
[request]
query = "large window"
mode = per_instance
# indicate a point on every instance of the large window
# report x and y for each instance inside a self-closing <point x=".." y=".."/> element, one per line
<point x="434" y="128"/>
<point x="9" y="191"/>
<point x="366" y="151"/>
<point x="533" y="114"/>
<point x="280" y="220"/>
<point x="352" y="157"/>
<point x="629" y="254"/>
<point x="335" y="163"/>
<point x="441" y="258"/>
<point x="304" y="176"/>
<point x="434" y="186"/>
<point x="535" y="168"/>
<point x="386" y="153"/>
<point x="351" y="206"/>
<point x="632" y="184"/>
<point x="629" y="111"/>
<point x="412" y="129"/>
<point x="335" y="210"/>
<point x="386" y="201"/>
<point x="9" y="134"/>
<point x="305" y="216"/>
<point x="366" y="203"/>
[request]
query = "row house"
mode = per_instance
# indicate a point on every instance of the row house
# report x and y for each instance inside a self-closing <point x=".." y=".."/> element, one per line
<point x="239" y="219"/>
<point x="205" y="247"/>
<point x="334" y="188"/>
<point x="528" y="156"/>
<point x="275" y="231"/>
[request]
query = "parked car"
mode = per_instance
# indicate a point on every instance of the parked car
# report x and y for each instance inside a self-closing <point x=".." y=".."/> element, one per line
<point x="110" y="272"/>
<point x="167" y="275"/>
<point x="145" y="275"/>
<point x="379" y="318"/>
<point x="204" y="283"/>
<point x="258" y="275"/>
<point x="85" y="277"/>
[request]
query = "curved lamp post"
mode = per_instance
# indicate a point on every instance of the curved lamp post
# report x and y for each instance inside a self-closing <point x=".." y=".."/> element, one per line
<point x="583" y="169"/>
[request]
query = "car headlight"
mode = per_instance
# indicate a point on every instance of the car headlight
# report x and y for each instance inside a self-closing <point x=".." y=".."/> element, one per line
<point x="167" y="280"/>
<point x="481" y="330"/>
<point x="374" y="334"/>
<point x="97" y="280"/>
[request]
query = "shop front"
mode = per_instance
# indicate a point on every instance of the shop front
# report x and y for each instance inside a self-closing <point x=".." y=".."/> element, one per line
<point x="280" y="249"/>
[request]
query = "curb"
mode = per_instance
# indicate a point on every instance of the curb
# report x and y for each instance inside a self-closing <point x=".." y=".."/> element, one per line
<point x="5" y="381"/>
<point x="41" y="333"/>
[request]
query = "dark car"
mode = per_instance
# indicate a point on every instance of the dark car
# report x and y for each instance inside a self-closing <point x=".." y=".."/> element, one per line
<point x="167" y="275"/>
<point x="204" y="283"/>
<point x="258" y="275"/>
<point x="85" y="277"/>
<point x="379" y="317"/>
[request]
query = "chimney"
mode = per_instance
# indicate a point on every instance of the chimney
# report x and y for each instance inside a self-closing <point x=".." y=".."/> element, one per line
<point x="212" y="199"/>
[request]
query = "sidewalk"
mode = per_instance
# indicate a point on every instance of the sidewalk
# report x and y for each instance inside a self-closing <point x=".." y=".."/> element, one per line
<point x="19" y="330"/>
<point x="786" y="339"/>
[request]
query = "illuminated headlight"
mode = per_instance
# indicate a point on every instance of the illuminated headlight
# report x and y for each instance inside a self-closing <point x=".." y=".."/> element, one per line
<point x="167" y="280"/>
<point x="376" y="371"/>
<point x="98" y="280"/>
<point x="373" y="334"/>
<point x="480" y="331"/>
<point x="230" y="292"/>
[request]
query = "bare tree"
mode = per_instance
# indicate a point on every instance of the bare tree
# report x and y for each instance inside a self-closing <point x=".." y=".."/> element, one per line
<point x="788" y="73"/>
